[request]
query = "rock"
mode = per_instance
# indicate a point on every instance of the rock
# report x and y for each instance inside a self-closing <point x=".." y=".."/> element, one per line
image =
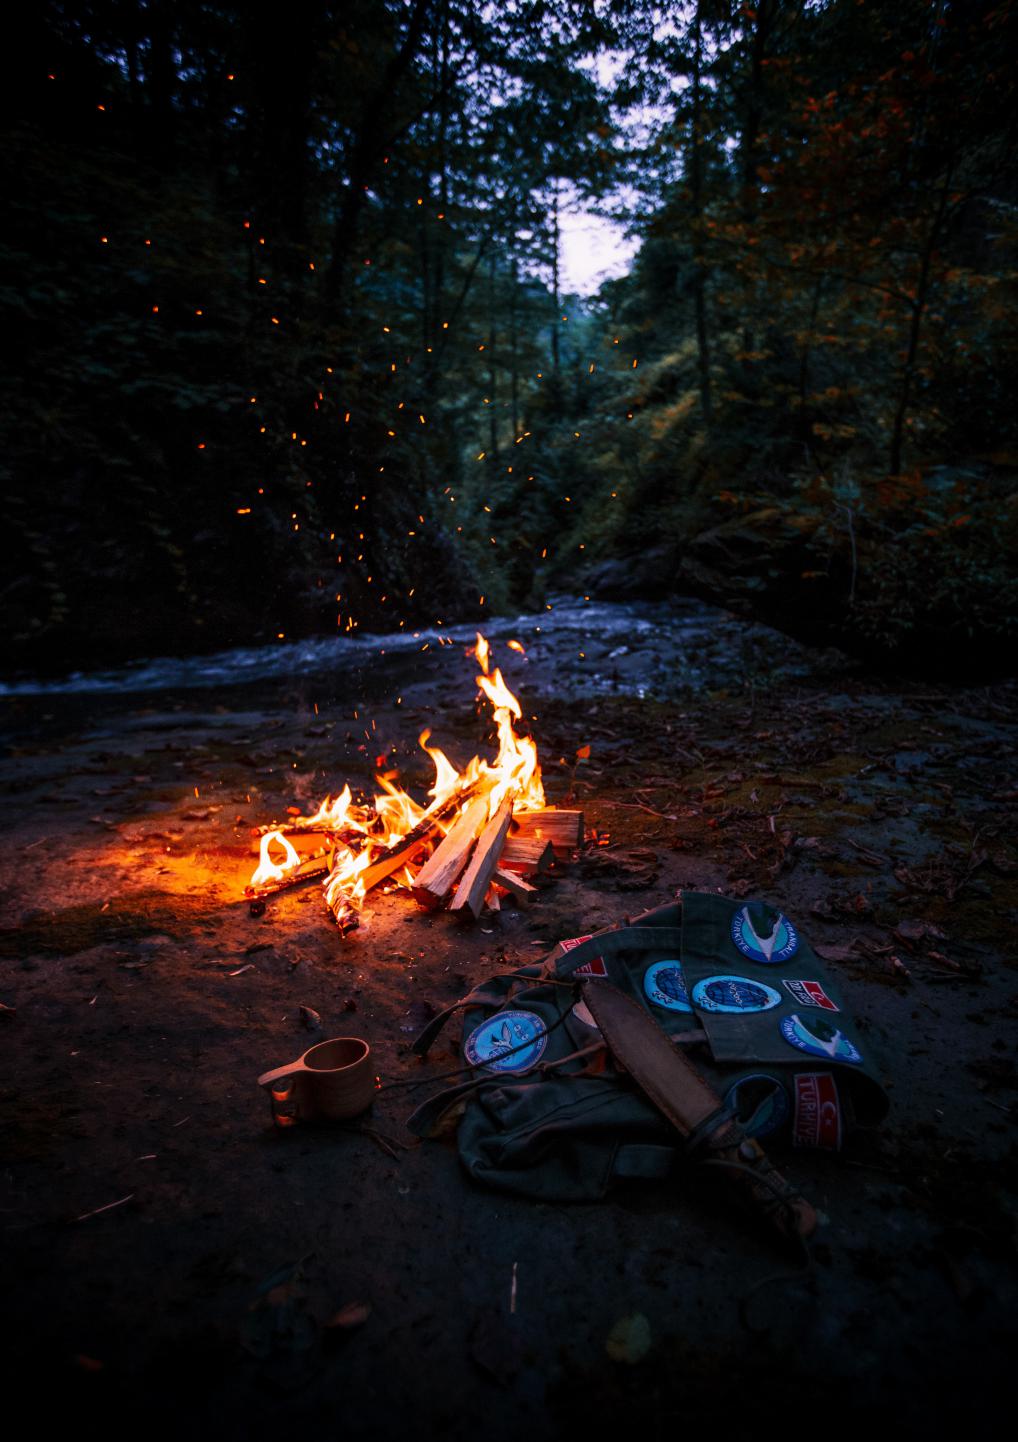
<point x="650" y="575"/>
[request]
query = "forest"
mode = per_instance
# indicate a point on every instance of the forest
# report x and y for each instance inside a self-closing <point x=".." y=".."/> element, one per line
<point x="290" y="350"/>
<point x="487" y="739"/>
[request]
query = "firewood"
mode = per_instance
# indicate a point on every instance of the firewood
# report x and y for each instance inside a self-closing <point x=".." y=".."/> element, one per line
<point x="526" y="855"/>
<point x="564" y="829"/>
<point x="301" y="841"/>
<point x="311" y="867"/>
<point x="493" y="900"/>
<point x="439" y="874"/>
<point x="519" y="889"/>
<point x="473" y="885"/>
<point x="398" y="855"/>
<point x="407" y="847"/>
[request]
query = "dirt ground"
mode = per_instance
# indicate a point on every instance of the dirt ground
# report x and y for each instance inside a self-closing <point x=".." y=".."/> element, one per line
<point x="174" y="1263"/>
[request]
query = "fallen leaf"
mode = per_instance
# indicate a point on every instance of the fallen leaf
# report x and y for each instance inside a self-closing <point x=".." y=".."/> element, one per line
<point x="310" y="1018"/>
<point x="354" y="1314"/>
<point x="910" y="933"/>
<point x="836" y="953"/>
<point x="88" y="1364"/>
<point x="495" y="1347"/>
<point x="629" y="1340"/>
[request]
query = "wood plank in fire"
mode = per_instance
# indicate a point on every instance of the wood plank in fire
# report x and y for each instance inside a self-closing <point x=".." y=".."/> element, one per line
<point x="473" y="885"/>
<point x="527" y="855"/>
<point x="442" y="870"/>
<point x="564" y="829"/>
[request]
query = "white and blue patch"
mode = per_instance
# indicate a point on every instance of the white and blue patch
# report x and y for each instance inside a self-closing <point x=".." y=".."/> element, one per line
<point x="760" y="1103"/>
<point x="819" y="1037"/>
<point x="734" y="994"/>
<point x="509" y="1041"/>
<point x="663" y="984"/>
<point x="781" y="942"/>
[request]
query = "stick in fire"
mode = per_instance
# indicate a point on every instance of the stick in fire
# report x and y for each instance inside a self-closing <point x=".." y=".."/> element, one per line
<point x="470" y="815"/>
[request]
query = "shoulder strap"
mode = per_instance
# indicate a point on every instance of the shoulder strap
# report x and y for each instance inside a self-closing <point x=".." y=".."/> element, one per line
<point x="480" y="996"/>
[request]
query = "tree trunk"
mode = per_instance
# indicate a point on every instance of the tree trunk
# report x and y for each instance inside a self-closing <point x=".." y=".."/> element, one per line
<point x="492" y="372"/>
<point x="556" y="241"/>
<point x="367" y="151"/>
<point x="696" y="193"/>
<point x="284" y="59"/>
<point x="915" y="327"/>
<point x="807" y="348"/>
<point x="515" y="375"/>
<point x="752" y="120"/>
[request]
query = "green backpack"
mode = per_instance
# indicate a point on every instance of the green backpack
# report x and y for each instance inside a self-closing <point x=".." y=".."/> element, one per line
<point x="547" y="1114"/>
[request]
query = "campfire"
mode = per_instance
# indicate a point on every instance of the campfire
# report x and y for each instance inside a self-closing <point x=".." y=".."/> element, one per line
<point x="484" y="834"/>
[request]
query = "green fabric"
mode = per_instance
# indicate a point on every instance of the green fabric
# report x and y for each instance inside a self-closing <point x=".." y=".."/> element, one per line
<point x="568" y="1135"/>
<point x="756" y="1037"/>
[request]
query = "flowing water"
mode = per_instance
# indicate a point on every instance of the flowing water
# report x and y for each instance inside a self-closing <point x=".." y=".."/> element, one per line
<point x="573" y="648"/>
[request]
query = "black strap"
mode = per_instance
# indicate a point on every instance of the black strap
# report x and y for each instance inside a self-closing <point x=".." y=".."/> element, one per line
<point x="426" y="1039"/>
<point x="703" y="1133"/>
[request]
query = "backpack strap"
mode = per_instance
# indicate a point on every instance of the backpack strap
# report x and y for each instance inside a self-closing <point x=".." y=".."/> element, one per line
<point x="480" y="996"/>
<point x="426" y="1120"/>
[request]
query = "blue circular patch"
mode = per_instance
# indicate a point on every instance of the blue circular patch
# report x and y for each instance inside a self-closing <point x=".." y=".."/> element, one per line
<point x="819" y="1037"/>
<point x="664" y="986"/>
<point x="734" y="994"/>
<point x="760" y="1102"/>
<point x="493" y="1045"/>
<point x="779" y="943"/>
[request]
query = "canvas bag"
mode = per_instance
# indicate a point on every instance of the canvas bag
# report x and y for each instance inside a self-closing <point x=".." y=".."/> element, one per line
<point x="546" y="1117"/>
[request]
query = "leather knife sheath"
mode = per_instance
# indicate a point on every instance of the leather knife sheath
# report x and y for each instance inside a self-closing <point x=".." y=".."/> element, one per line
<point x="672" y="1083"/>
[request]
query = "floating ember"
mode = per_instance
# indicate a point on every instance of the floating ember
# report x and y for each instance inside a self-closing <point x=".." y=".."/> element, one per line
<point x="484" y="833"/>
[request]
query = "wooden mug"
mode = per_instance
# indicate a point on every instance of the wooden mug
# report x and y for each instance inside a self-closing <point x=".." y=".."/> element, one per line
<point x="332" y="1081"/>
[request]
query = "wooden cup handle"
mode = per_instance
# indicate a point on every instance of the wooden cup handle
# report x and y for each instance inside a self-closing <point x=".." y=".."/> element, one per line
<point x="293" y="1068"/>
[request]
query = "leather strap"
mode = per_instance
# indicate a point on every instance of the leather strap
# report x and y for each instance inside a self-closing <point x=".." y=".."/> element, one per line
<point x="671" y="1082"/>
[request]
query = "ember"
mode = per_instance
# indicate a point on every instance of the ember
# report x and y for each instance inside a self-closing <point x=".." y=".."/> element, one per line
<point x="486" y="828"/>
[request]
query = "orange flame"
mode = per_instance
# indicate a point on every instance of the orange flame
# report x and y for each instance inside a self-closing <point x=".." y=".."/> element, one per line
<point x="361" y="834"/>
<point x="483" y="653"/>
<point x="268" y="870"/>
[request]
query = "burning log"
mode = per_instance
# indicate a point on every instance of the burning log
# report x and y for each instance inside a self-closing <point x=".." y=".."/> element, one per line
<point x="564" y="829"/>
<point x="438" y="876"/>
<point x="265" y="882"/>
<point x="344" y="892"/>
<point x="527" y="855"/>
<point x="371" y="842"/>
<point x="473" y="887"/>
<point x="521" y="890"/>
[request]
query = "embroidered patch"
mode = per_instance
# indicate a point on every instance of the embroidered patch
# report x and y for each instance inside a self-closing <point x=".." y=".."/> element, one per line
<point x="817" y="1036"/>
<point x="733" y="994"/>
<point x="778" y="945"/>
<point x="493" y="1045"/>
<point x="817" y="1112"/>
<point x="760" y="1102"/>
<point x="810" y="993"/>
<point x="664" y="986"/>
<point x="594" y="967"/>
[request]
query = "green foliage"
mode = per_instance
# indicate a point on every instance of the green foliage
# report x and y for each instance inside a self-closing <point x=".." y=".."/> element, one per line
<point x="825" y="289"/>
<point x="255" y="265"/>
<point x="291" y="349"/>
